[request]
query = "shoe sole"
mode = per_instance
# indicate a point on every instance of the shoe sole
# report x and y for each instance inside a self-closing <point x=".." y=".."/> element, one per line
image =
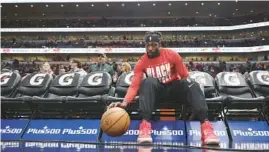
<point x="212" y="142"/>
<point x="144" y="140"/>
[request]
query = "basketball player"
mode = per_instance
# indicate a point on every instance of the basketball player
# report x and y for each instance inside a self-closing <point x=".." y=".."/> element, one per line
<point x="167" y="79"/>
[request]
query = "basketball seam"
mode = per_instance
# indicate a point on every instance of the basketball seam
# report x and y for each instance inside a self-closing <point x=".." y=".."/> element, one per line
<point x="125" y="121"/>
<point x="114" y="122"/>
<point x="111" y="113"/>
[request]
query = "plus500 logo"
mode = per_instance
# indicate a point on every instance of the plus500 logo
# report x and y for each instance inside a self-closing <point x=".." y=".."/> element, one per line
<point x="198" y="133"/>
<point x="158" y="133"/>
<point x="9" y="130"/>
<point x="68" y="131"/>
<point x="250" y="132"/>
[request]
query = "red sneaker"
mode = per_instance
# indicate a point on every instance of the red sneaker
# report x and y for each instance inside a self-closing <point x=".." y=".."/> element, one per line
<point x="144" y="132"/>
<point x="208" y="135"/>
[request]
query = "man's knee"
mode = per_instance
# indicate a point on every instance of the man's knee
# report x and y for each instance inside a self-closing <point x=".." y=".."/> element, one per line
<point x="150" y="81"/>
<point x="148" y="85"/>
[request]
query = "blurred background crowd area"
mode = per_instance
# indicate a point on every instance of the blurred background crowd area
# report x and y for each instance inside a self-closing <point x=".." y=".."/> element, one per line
<point x="240" y="38"/>
<point x="116" y="64"/>
<point x="211" y="20"/>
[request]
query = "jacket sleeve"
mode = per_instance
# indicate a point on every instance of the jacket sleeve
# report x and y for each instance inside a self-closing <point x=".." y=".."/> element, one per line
<point x="179" y="65"/>
<point x="136" y="81"/>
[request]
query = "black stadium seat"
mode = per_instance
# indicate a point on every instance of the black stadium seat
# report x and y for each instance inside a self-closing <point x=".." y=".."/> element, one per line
<point x="239" y="95"/>
<point x="233" y="83"/>
<point x="207" y="83"/>
<point x="52" y="104"/>
<point x="35" y="84"/>
<point x="123" y="83"/>
<point x="64" y="85"/>
<point x="259" y="81"/>
<point x="9" y="83"/>
<point x="93" y="84"/>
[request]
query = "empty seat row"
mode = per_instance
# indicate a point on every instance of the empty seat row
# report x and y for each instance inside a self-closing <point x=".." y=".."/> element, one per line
<point x="228" y="88"/>
<point x="99" y="83"/>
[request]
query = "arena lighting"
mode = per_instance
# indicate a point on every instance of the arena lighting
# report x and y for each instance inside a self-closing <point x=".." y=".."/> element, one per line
<point x="141" y="29"/>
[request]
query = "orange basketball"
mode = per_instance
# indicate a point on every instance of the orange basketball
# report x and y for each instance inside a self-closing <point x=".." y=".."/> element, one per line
<point x="115" y="122"/>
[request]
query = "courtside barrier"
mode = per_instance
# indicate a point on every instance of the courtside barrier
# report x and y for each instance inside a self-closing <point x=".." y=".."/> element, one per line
<point x="172" y="133"/>
<point x="165" y="132"/>
<point x="136" y="50"/>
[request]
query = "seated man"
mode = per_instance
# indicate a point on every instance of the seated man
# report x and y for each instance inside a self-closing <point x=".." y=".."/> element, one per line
<point x="167" y="78"/>
<point x="102" y="65"/>
<point x="77" y="68"/>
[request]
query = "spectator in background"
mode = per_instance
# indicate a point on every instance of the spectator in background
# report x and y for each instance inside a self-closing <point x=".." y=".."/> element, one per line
<point x="61" y="69"/>
<point x="125" y="67"/>
<point x="77" y="68"/>
<point x="102" y="65"/>
<point x="45" y="68"/>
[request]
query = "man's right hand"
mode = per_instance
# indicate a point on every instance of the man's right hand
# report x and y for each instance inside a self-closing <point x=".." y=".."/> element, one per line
<point x="118" y="104"/>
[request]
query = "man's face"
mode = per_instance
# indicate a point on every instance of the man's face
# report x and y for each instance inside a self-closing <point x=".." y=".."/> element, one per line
<point x="74" y="65"/>
<point x="46" y="66"/>
<point x="151" y="47"/>
<point x="101" y="59"/>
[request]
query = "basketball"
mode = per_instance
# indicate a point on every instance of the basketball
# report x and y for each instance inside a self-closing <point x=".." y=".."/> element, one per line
<point x="115" y="122"/>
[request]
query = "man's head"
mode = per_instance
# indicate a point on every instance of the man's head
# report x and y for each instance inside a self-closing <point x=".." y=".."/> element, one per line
<point x="75" y="64"/>
<point x="45" y="67"/>
<point x="102" y="58"/>
<point x="152" y="41"/>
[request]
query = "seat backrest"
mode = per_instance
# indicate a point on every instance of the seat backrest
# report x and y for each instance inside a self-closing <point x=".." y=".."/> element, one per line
<point x="65" y="84"/>
<point x="233" y="83"/>
<point x="95" y="83"/>
<point x="123" y="83"/>
<point x="35" y="84"/>
<point x="207" y="81"/>
<point x="9" y="82"/>
<point x="259" y="81"/>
